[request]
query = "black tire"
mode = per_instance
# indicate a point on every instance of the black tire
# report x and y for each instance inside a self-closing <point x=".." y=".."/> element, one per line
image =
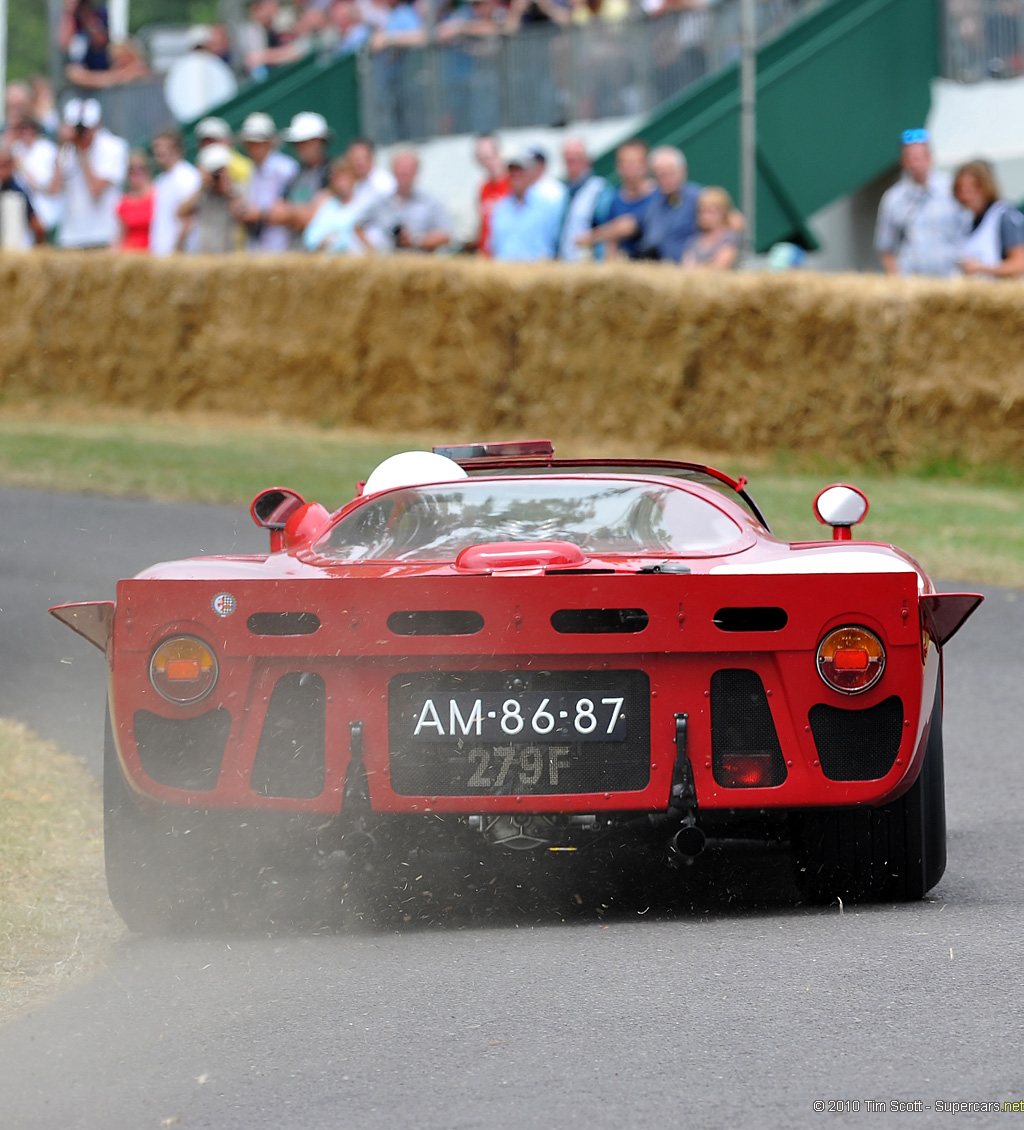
<point x="154" y="864"/>
<point x="894" y="853"/>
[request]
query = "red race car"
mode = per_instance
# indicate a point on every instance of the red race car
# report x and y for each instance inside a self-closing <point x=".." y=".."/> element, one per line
<point x="492" y="647"/>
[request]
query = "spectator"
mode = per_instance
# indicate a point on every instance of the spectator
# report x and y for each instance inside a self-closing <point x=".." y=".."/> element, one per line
<point x="26" y="228"/>
<point x="585" y="189"/>
<point x="470" y="65"/>
<point x="258" y="34"/>
<point x="994" y="248"/>
<point x="91" y="62"/>
<point x="309" y="30"/>
<point x="396" y="71"/>
<point x="716" y="244"/>
<point x="271" y="175"/>
<point x="346" y="33"/>
<point x="409" y="219"/>
<point x="18" y="107"/>
<point x="920" y="225"/>
<point x="524" y="226"/>
<point x="488" y="157"/>
<point x="373" y="183"/>
<point x="335" y="227"/>
<point x="546" y="186"/>
<point x="135" y="208"/>
<point x="35" y="157"/>
<point x="636" y="190"/>
<point x="177" y="181"/>
<point x="670" y="216"/>
<point x="210" y="211"/>
<point x="308" y="135"/>
<point x="216" y="131"/>
<point x="90" y="172"/>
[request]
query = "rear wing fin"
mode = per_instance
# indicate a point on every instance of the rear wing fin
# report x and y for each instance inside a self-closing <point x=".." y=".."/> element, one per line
<point x="93" y="621"/>
<point x="944" y="614"/>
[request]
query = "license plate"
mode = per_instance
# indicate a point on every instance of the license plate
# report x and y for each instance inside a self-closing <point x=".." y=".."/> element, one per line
<point x="530" y="717"/>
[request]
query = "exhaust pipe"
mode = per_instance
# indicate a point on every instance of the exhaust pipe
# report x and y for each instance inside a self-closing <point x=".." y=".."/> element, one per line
<point x="685" y="844"/>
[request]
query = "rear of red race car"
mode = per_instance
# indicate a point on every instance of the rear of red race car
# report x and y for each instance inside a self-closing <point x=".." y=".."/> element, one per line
<point x="533" y="709"/>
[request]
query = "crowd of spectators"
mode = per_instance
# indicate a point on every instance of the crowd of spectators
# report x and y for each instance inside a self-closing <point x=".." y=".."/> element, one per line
<point x="72" y="182"/>
<point x="83" y="189"/>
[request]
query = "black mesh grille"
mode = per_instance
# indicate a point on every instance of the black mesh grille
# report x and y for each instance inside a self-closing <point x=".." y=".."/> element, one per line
<point x="745" y="750"/>
<point x="183" y="753"/>
<point x="857" y="745"/>
<point x="290" y="758"/>
<point x="471" y="767"/>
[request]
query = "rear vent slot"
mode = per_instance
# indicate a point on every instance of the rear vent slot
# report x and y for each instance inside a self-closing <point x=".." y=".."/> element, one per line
<point x="432" y="622"/>
<point x="182" y="753"/>
<point x="751" y="619"/>
<point x="290" y="757"/>
<point x="283" y="623"/>
<point x="745" y="750"/>
<point x="599" y="621"/>
<point x="857" y="745"/>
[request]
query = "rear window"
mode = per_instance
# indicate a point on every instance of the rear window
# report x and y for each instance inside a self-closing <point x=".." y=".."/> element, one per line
<point x="436" y="523"/>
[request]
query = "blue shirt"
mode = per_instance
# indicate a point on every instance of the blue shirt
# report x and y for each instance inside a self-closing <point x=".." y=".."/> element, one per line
<point x="668" y="222"/>
<point x="620" y="206"/>
<point x="525" y="231"/>
<point x="403" y="18"/>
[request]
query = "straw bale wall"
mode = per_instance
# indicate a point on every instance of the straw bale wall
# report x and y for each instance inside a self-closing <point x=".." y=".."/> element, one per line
<point x="832" y="365"/>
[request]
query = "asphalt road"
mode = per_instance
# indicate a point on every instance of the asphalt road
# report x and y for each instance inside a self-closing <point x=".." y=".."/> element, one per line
<point x="594" y="1000"/>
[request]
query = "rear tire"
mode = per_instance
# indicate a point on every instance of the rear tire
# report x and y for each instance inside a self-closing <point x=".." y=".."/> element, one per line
<point x="896" y="852"/>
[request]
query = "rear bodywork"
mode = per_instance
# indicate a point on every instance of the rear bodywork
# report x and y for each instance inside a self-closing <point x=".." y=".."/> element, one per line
<point x="517" y="681"/>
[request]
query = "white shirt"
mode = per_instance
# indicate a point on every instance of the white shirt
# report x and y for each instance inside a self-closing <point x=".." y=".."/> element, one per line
<point x="171" y="189"/>
<point x="551" y="191"/>
<point x="922" y="225"/>
<point x="266" y="186"/>
<point x="89" y="222"/>
<point x="38" y="162"/>
<point x="377" y="186"/>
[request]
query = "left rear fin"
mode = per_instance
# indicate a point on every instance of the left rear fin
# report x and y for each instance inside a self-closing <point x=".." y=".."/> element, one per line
<point x="94" y="621"/>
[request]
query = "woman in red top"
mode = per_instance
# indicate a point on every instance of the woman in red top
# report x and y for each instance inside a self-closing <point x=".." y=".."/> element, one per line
<point x="135" y="210"/>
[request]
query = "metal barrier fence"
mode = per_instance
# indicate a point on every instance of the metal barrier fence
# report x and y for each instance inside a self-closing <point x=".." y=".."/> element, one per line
<point x="550" y="75"/>
<point x="984" y="39"/>
<point x="134" y="111"/>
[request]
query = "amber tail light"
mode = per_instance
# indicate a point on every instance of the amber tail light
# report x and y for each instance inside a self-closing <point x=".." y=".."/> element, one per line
<point x="851" y="660"/>
<point x="183" y="670"/>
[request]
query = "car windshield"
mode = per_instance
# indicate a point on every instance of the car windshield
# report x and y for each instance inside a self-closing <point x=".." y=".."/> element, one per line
<point x="435" y="523"/>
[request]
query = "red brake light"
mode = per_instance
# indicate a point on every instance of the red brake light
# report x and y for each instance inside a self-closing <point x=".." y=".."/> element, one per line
<point x="851" y="659"/>
<point x="749" y="770"/>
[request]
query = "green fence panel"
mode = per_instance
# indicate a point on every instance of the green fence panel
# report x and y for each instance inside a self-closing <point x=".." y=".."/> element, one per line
<point x="833" y="93"/>
<point x="330" y="87"/>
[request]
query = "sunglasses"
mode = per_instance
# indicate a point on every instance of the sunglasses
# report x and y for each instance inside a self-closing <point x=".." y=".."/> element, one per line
<point x="914" y="137"/>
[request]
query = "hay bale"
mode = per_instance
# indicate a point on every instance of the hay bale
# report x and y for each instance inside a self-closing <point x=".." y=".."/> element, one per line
<point x="862" y="367"/>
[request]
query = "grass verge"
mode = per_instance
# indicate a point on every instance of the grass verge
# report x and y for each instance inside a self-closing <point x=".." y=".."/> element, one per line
<point x="56" y="921"/>
<point x="960" y="523"/>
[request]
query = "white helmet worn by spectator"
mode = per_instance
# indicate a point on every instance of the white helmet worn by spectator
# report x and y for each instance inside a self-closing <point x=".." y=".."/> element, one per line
<point x="213" y="158"/>
<point x="213" y="129"/>
<point x="258" y="127"/>
<point x="84" y="112"/>
<point x="307" y="126"/>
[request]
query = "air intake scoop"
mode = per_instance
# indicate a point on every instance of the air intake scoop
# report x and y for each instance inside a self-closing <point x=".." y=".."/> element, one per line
<point x="498" y="556"/>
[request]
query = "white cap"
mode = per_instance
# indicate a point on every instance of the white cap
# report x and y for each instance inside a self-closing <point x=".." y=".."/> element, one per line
<point x="83" y="112"/>
<point x="213" y="129"/>
<point x="258" y="127"/>
<point x="198" y="35"/>
<point x="213" y="158"/>
<point x="413" y="469"/>
<point x="306" y="126"/>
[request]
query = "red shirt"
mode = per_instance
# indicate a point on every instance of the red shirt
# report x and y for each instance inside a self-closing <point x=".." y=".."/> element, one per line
<point x="136" y="214"/>
<point x="491" y="192"/>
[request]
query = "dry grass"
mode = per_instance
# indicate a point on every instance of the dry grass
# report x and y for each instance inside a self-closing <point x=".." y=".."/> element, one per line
<point x="56" y="922"/>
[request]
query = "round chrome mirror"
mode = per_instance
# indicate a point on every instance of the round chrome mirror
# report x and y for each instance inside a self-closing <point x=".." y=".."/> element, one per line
<point x="841" y="506"/>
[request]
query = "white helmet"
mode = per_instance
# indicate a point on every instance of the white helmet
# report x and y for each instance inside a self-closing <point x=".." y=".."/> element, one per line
<point x="413" y="469"/>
